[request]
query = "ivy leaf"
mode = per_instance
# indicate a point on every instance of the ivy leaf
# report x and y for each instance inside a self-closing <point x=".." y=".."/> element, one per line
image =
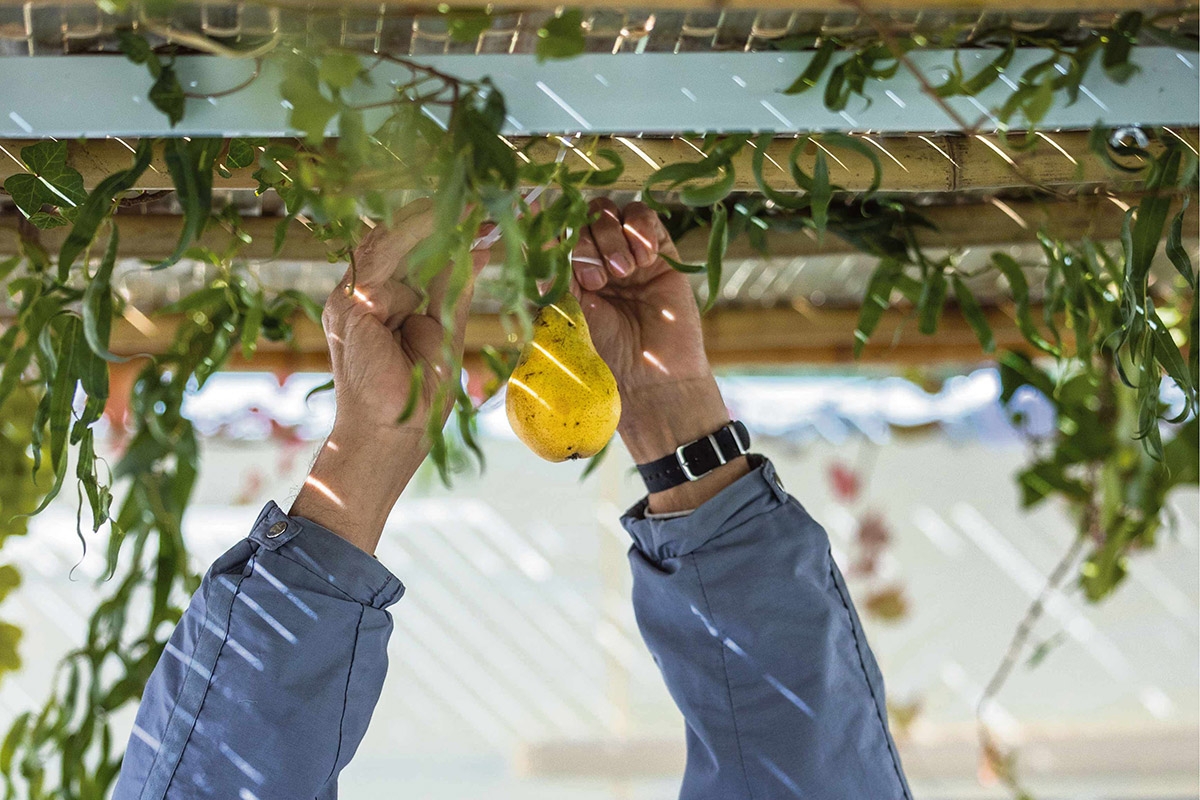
<point x="466" y="26"/>
<point x="340" y="70"/>
<point x="136" y="47"/>
<point x="311" y="110"/>
<point x="26" y="192"/>
<point x="241" y="153"/>
<point x="562" y="37"/>
<point x="48" y="160"/>
<point x="167" y="95"/>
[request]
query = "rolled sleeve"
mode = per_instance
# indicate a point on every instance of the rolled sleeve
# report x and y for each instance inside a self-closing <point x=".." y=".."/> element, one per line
<point x="268" y="682"/>
<point x="751" y="624"/>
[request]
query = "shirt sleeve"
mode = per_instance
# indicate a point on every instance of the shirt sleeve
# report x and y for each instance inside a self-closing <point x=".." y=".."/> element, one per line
<point x="750" y="622"/>
<point x="266" y="686"/>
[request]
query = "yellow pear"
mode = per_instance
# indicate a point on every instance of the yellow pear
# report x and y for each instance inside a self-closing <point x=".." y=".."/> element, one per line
<point x="562" y="398"/>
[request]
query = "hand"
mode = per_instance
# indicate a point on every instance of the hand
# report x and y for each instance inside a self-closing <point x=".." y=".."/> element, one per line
<point x="645" y="324"/>
<point x="380" y="330"/>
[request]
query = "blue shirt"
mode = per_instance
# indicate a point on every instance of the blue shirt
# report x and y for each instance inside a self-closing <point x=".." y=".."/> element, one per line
<point x="268" y="683"/>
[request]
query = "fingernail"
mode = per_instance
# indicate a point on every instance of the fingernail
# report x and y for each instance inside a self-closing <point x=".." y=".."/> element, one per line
<point x="619" y="265"/>
<point x="590" y="278"/>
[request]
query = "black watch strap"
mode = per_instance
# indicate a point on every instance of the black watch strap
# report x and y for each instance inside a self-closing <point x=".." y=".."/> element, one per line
<point x="694" y="460"/>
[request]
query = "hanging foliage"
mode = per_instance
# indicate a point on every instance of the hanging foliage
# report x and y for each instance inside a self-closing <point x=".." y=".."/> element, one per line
<point x="1110" y="332"/>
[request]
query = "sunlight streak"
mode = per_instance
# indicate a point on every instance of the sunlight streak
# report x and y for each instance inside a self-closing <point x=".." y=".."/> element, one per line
<point x="931" y="143"/>
<point x="362" y="297"/>
<point x="145" y="326"/>
<point x="1056" y="146"/>
<point x="668" y="315"/>
<point x="886" y="152"/>
<point x="829" y="153"/>
<point x="1008" y="210"/>
<point x="523" y="387"/>
<point x="325" y="490"/>
<point x="646" y="354"/>
<point x="997" y="150"/>
<point x="639" y="152"/>
<point x="560" y="365"/>
<point x="649" y="245"/>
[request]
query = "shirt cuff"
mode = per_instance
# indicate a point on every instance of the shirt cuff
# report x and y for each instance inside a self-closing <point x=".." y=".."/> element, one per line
<point x="661" y="538"/>
<point x="350" y="571"/>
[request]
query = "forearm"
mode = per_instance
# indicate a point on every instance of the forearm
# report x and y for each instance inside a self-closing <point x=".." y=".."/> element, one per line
<point x="357" y="478"/>
<point x="657" y="419"/>
<point x="760" y="646"/>
<point x="270" y="678"/>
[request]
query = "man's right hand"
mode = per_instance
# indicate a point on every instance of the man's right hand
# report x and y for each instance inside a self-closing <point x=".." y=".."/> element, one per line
<point x="645" y="324"/>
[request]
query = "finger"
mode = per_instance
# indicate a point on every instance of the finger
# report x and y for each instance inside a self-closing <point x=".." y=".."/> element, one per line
<point x="610" y="238"/>
<point x="389" y="302"/>
<point x="643" y="230"/>
<point x="586" y="264"/>
<point x="383" y="250"/>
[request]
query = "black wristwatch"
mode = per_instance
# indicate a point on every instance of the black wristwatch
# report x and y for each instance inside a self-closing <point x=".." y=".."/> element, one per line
<point x="694" y="460"/>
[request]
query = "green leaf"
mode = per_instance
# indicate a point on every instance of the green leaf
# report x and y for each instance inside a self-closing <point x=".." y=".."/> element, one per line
<point x="1120" y="46"/>
<point x="878" y="298"/>
<point x="10" y="579"/>
<point x="835" y="139"/>
<point x="718" y="242"/>
<point x="812" y="72"/>
<point x="167" y="95"/>
<point x="135" y="47"/>
<point x="98" y="303"/>
<point x="1039" y="102"/>
<point x="679" y="266"/>
<point x="98" y="205"/>
<point x="241" y="153"/>
<point x="340" y="70"/>
<point x="709" y="194"/>
<point x="594" y="462"/>
<point x="26" y="192"/>
<point x="933" y="298"/>
<point x="1176" y="251"/>
<point x="610" y="175"/>
<point x="191" y="166"/>
<point x="1019" y="287"/>
<point x="562" y="36"/>
<point x="48" y="160"/>
<point x="467" y="25"/>
<point x="971" y="310"/>
<point x="311" y="110"/>
<point x="820" y="194"/>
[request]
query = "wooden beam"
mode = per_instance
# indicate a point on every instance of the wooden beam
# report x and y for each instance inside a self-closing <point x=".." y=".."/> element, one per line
<point x="970" y="225"/>
<point x="934" y="163"/>
<point x="805" y="6"/>
<point x="732" y="337"/>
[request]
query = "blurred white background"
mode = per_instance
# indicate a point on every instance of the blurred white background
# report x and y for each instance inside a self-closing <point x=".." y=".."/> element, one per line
<point x="516" y="667"/>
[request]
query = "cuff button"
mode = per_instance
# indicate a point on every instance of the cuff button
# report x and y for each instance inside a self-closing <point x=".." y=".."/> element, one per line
<point x="276" y="529"/>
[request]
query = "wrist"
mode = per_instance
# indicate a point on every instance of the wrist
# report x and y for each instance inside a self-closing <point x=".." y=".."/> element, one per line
<point x="657" y="419"/>
<point x="357" y="478"/>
